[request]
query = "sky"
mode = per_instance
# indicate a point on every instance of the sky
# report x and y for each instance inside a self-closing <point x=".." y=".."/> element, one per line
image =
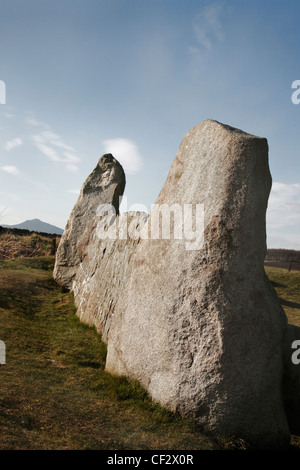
<point x="80" y="78"/>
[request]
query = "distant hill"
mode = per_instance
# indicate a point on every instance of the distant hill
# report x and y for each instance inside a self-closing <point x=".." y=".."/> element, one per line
<point x="283" y="258"/>
<point x="283" y="255"/>
<point x="36" y="225"/>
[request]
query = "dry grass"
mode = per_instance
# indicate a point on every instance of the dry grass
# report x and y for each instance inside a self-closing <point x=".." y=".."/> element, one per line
<point x="287" y="286"/>
<point x="13" y="244"/>
<point x="54" y="392"/>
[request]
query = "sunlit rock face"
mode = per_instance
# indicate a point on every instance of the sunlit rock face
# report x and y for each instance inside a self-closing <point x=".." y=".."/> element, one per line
<point x="202" y="329"/>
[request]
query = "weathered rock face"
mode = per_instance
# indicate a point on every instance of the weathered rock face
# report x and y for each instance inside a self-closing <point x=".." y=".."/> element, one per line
<point x="202" y="329"/>
<point x="102" y="273"/>
<point x="103" y="186"/>
<point x="89" y="261"/>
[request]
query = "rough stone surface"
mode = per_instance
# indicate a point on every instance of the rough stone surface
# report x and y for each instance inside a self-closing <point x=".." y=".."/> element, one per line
<point x="90" y="263"/>
<point x="102" y="273"/>
<point x="202" y="329"/>
<point x="103" y="186"/>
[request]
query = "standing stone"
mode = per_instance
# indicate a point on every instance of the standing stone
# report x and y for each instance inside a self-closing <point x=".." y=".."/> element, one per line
<point x="102" y="274"/>
<point x="92" y="261"/>
<point x="103" y="186"/>
<point x="202" y="329"/>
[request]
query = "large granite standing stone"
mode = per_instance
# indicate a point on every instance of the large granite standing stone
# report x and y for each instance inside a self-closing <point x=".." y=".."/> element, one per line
<point x="202" y="329"/>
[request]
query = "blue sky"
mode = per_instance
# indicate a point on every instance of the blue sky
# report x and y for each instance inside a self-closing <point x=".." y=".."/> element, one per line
<point x="84" y="77"/>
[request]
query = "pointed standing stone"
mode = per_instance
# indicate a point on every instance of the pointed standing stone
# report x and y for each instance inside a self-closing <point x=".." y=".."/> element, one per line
<point x="103" y="186"/>
<point x="92" y="266"/>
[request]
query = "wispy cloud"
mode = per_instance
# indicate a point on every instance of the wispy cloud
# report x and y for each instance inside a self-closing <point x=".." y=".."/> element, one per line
<point x="55" y="140"/>
<point x="11" y="169"/>
<point x="32" y="121"/>
<point x="208" y="29"/>
<point x="53" y="146"/>
<point x="5" y="195"/>
<point x="126" y="152"/>
<point x="11" y="144"/>
<point x="9" y="115"/>
<point x="73" y="191"/>
<point x="51" y="153"/>
<point x="15" y="171"/>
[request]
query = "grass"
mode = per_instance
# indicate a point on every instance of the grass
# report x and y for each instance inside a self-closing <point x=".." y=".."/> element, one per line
<point x="287" y="286"/>
<point x="14" y="243"/>
<point x="54" y="392"/>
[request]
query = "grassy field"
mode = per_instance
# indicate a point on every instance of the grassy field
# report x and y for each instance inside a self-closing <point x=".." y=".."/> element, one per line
<point x="54" y="392"/>
<point x="287" y="286"/>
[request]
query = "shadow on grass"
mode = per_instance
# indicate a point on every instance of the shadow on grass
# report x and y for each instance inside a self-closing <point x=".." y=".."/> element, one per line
<point x="92" y="365"/>
<point x="287" y="303"/>
<point x="277" y="284"/>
